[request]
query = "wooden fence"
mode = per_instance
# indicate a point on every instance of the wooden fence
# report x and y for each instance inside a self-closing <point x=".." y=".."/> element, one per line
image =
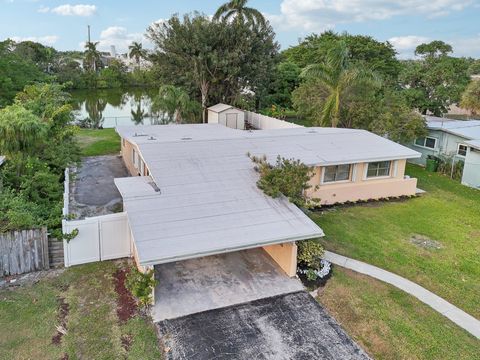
<point x="23" y="251"/>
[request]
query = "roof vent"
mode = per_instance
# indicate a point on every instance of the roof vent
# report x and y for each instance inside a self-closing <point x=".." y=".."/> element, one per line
<point x="137" y="135"/>
<point x="154" y="186"/>
<point x="186" y="138"/>
<point x="312" y="131"/>
<point x="152" y="138"/>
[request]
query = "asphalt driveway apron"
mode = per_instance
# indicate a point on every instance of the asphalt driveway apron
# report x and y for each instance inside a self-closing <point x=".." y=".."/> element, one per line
<point x="291" y="326"/>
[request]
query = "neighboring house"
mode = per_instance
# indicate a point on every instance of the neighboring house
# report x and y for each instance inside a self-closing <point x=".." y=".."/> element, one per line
<point x="226" y="115"/>
<point x="450" y="139"/>
<point x="471" y="170"/>
<point x="193" y="192"/>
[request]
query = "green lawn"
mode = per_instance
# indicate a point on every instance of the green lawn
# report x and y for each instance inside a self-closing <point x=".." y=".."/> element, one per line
<point x="29" y="316"/>
<point x="95" y="142"/>
<point x="390" y="324"/>
<point x="381" y="233"/>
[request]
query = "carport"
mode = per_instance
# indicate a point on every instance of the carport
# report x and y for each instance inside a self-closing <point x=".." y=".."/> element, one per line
<point x="213" y="246"/>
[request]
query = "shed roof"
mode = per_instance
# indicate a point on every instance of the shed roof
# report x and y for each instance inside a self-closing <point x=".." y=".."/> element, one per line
<point x="468" y="129"/>
<point x="220" y="107"/>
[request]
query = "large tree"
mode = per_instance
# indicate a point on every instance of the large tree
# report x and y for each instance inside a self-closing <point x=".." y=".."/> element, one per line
<point x="435" y="81"/>
<point x="176" y="104"/>
<point x="337" y="76"/>
<point x="15" y="72"/>
<point x="364" y="50"/>
<point x="471" y="97"/>
<point x="216" y="61"/>
<point x="240" y="12"/>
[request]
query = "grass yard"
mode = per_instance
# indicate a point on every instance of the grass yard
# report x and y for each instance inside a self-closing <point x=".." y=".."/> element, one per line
<point x="96" y="142"/>
<point x="390" y="324"/>
<point x="382" y="234"/>
<point x="30" y="314"/>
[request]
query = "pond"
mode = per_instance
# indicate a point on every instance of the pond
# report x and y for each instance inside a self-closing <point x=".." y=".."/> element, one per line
<point x="109" y="108"/>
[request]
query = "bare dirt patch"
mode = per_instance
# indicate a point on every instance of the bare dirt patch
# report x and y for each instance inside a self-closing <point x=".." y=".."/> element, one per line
<point x="126" y="341"/>
<point x="425" y="242"/>
<point x="63" y="309"/>
<point x="126" y="304"/>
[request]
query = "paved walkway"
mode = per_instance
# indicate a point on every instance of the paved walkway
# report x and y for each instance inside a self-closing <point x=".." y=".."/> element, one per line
<point x="459" y="317"/>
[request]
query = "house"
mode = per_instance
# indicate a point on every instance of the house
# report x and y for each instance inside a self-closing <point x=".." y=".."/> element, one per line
<point x="193" y="188"/>
<point x="471" y="169"/>
<point x="451" y="140"/>
<point x="226" y="115"/>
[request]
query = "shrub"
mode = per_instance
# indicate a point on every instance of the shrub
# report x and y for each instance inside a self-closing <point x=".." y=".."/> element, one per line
<point x="310" y="254"/>
<point x="288" y="177"/>
<point x="141" y="285"/>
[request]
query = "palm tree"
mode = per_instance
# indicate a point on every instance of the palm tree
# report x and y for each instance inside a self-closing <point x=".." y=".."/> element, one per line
<point x="176" y="103"/>
<point x="92" y="55"/>
<point x="338" y="76"/>
<point x="137" y="52"/>
<point x="237" y="9"/>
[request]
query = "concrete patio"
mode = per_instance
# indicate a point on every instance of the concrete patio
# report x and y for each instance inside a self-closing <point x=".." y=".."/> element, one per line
<point x="93" y="191"/>
<point x="206" y="283"/>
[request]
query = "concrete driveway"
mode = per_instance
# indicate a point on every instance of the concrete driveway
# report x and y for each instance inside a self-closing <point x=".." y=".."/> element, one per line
<point x="191" y="286"/>
<point x="93" y="191"/>
<point x="292" y="326"/>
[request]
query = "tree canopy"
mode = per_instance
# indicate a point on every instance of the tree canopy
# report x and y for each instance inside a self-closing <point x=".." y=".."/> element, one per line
<point x="436" y="81"/>
<point x="471" y="97"/>
<point x="214" y="61"/>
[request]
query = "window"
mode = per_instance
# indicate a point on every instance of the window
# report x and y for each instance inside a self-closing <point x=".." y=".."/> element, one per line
<point x="462" y="150"/>
<point x="336" y="173"/>
<point x="428" y="142"/>
<point x="378" y="169"/>
<point x="134" y="158"/>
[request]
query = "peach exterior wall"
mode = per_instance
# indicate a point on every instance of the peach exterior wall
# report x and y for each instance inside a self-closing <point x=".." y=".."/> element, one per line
<point x="361" y="189"/>
<point x="285" y="255"/>
<point x="126" y="152"/>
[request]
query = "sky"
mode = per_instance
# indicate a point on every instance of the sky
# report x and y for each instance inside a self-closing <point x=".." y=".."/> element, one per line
<point x="405" y="23"/>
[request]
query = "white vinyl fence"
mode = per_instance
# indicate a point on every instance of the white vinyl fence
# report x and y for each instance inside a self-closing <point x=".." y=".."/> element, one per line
<point x="99" y="238"/>
<point x="262" y="122"/>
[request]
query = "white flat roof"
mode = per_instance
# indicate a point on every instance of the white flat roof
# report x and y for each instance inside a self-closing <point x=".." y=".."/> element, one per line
<point x="313" y="146"/>
<point x="2" y="159"/>
<point x="469" y="129"/>
<point x="206" y="200"/>
<point x="185" y="221"/>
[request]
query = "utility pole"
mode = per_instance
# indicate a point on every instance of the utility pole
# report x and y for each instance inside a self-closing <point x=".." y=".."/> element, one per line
<point x="89" y="43"/>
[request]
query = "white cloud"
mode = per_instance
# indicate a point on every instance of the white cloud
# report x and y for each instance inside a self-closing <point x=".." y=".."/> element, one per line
<point x="119" y="37"/>
<point x="74" y="10"/>
<point x="405" y="45"/>
<point x="43" y="9"/>
<point x="466" y="46"/>
<point x="45" y="40"/>
<point x="318" y="15"/>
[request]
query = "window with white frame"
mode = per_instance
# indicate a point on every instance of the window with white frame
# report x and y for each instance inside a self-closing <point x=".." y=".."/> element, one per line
<point x="378" y="169"/>
<point x="462" y="150"/>
<point x="134" y="158"/>
<point x="337" y="173"/>
<point x="427" y="142"/>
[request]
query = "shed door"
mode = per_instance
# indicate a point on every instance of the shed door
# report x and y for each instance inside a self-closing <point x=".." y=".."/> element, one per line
<point x="232" y="120"/>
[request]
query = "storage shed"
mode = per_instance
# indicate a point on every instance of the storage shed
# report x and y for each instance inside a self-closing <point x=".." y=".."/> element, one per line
<point x="226" y="115"/>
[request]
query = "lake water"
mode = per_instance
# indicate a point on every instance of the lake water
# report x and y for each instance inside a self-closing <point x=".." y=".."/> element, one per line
<point x="115" y="107"/>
